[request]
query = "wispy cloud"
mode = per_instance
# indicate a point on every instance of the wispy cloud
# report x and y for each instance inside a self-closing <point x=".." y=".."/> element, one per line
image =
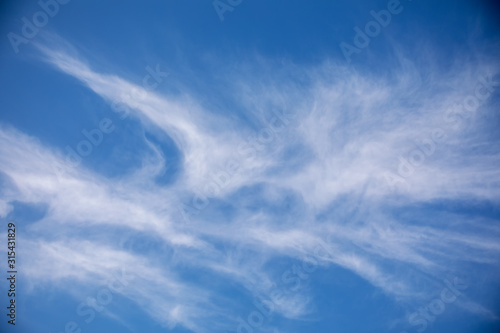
<point x="319" y="180"/>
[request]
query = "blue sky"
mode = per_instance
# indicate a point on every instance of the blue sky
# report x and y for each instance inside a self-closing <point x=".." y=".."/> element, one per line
<point x="251" y="166"/>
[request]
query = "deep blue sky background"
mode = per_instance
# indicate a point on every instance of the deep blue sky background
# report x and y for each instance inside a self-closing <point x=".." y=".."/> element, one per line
<point x="322" y="180"/>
